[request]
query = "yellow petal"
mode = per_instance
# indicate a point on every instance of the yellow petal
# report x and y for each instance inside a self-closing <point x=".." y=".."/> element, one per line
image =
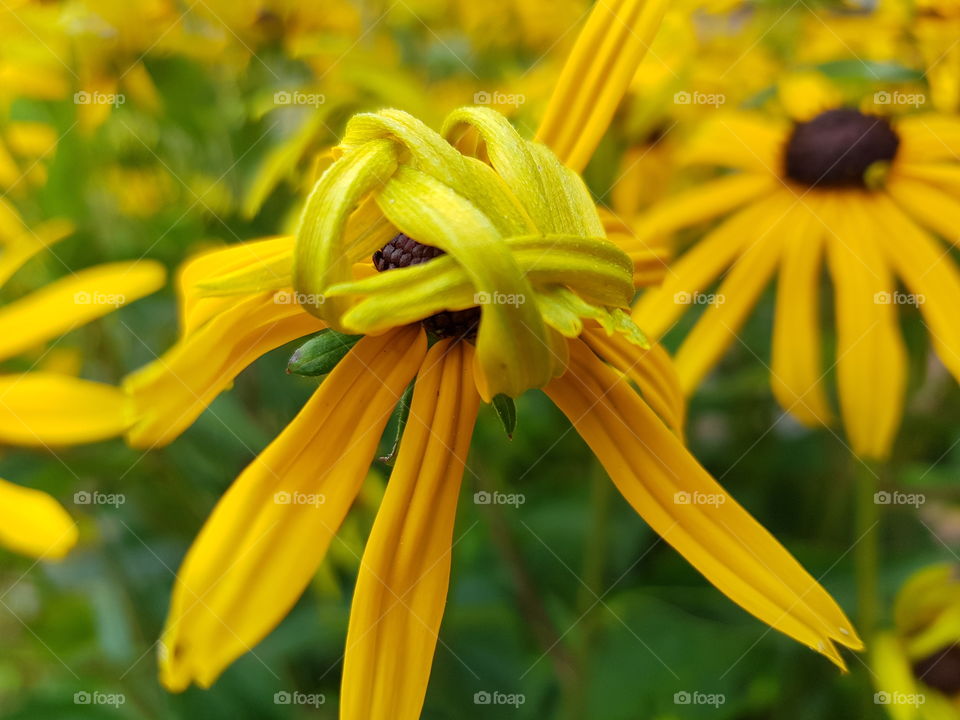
<point x="270" y="531"/>
<point x="741" y="140"/>
<point x="871" y="358"/>
<point x="170" y="393"/>
<point x="797" y="372"/>
<point x="739" y="292"/>
<point x="927" y="137"/>
<point x="937" y="210"/>
<point x="402" y="585"/>
<point x="893" y="675"/>
<point x="73" y="301"/>
<point x="19" y="249"/>
<point x="41" y="409"/>
<point x="659" y="308"/>
<point x="930" y="274"/>
<point x="664" y="483"/>
<point x="33" y="523"/>
<point x="596" y="76"/>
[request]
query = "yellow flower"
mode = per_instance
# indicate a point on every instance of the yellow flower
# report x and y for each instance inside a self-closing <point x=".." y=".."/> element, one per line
<point x="499" y="217"/>
<point x="843" y="186"/>
<point x="44" y="409"/>
<point x="916" y="664"/>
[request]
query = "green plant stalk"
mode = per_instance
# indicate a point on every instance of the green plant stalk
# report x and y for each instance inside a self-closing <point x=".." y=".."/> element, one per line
<point x="867" y="549"/>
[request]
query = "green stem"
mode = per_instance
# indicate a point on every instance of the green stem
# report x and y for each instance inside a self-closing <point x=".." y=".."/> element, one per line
<point x="867" y="549"/>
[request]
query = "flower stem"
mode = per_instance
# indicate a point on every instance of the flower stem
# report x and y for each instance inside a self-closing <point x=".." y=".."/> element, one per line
<point x="867" y="550"/>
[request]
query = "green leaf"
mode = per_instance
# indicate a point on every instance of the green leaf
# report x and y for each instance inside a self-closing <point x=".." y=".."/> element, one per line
<point x="507" y="412"/>
<point x="869" y="71"/>
<point x="400" y="413"/>
<point x="321" y="353"/>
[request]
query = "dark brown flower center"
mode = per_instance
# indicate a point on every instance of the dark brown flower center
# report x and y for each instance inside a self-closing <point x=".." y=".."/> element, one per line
<point x="403" y="251"/>
<point x="941" y="671"/>
<point x="838" y="147"/>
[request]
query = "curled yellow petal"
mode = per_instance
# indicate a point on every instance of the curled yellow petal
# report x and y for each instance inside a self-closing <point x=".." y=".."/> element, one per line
<point x="33" y="523"/>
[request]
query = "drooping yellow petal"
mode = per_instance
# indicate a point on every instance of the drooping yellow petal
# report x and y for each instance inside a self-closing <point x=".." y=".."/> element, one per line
<point x="170" y="393"/>
<point x="796" y="363"/>
<point x="664" y="483"/>
<point x="659" y="308"/>
<point x="596" y="76"/>
<point x="931" y="275"/>
<point x="871" y="358"/>
<point x="33" y="523"/>
<point x="41" y="409"/>
<point x="270" y="531"/>
<point x="893" y="675"/>
<point x="73" y="301"/>
<point x="651" y="369"/>
<point x="739" y="292"/>
<point x="402" y="585"/>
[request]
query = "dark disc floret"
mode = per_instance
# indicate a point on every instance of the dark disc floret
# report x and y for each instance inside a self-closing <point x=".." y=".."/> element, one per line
<point x="837" y="147"/>
<point x="403" y="251"/>
<point x="941" y="670"/>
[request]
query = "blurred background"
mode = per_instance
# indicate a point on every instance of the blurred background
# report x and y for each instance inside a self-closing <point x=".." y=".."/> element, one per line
<point x="157" y="129"/>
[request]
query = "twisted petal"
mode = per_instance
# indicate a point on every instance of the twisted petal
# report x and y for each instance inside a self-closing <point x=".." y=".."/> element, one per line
<point x="33" y="523"/>
<point x="41" y="409"/>
<point x="270" y="531"/>
<point x="73" y="301"/>
<point x="402" y="586"/>
<point x="675" y="495"/>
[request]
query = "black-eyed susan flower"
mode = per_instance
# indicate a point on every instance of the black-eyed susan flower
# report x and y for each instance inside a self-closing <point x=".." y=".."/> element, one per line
<point x="44" y="409"/>
<point x="489" y="246"/>
<point x="864" y="193"/>
<point x="916" y="664"/>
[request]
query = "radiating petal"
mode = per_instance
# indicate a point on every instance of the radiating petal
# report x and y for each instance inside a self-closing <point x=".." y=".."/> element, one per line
<point x="871" y="358"/>
<point x="797" y="375"/>
<point x="926" y="137"/>
<point x="930" y="272"/>
<point x="33" y="523"/>
<point x="27" y="243"/>
<point x="736" y="139"/>
<point x="170" y="393"/>
<point x="664" y="483"/>
<point x="402" y="585"/>
<point x="596" y="76"/>
<point x="932" y="207"/>
<point x="73" y="301"/>
<point x="659" y="308"/>
<point x="40" y="409"/>
<point x="270" y="531"/>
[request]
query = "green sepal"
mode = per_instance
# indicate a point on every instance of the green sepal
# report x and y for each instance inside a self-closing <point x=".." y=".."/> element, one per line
<point x="321" y="353"/>
<point x="400" y="413"/>
<point x="507" y="412"/>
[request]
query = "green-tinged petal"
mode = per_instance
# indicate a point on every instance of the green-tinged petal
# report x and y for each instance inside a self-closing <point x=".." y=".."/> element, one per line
<point x="43" y="409"/>
<point x="17" y="251"/>
<point x="33" y="523"/>
<point x="170" y="393"/>
<point x="73" y="301"/>
<point x="664" y="483"/>
<point x="268" y="534"/>
<point x="402" y="585"/>
<point x="596" y="76"/>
